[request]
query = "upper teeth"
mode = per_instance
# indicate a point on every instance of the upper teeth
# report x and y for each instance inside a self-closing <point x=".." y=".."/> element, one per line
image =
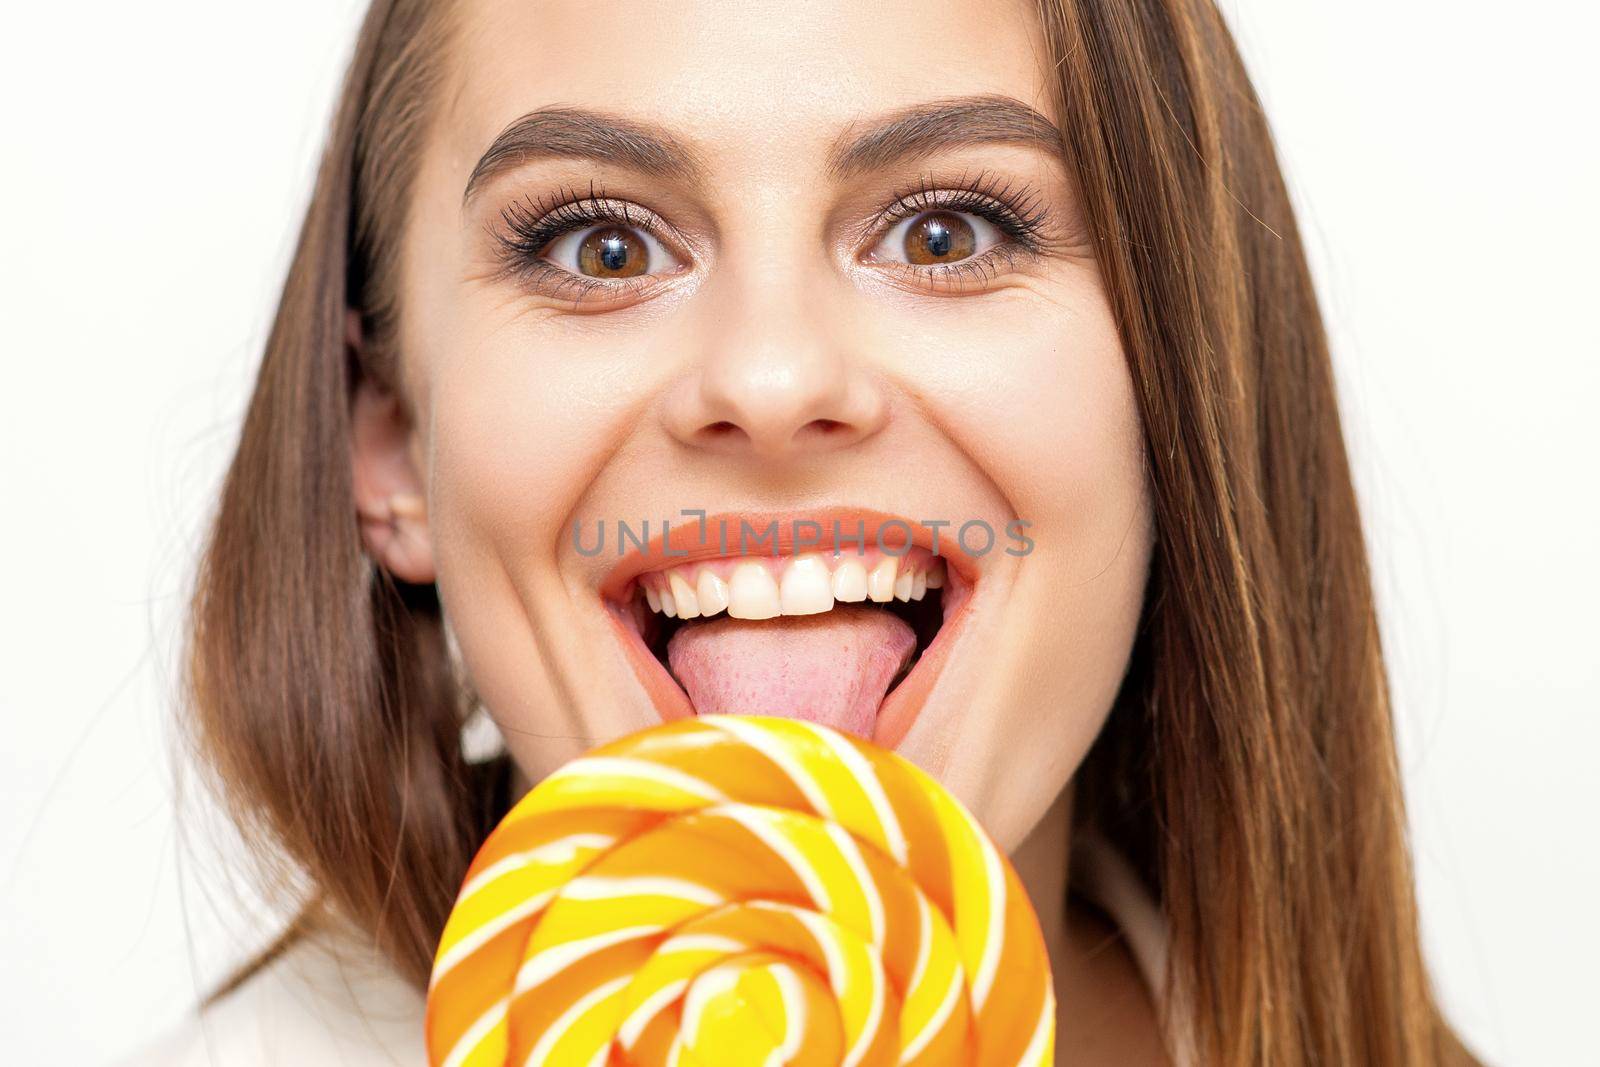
<point x="798" y="585"/>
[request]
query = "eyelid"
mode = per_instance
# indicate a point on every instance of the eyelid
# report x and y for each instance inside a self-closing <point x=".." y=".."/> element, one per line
<point x="528" y="227"/>
<point x="571" y="211"/>
<point x="1019" y="209"/>
<point x="652" y="241"/>
<point x="907" y="221"/>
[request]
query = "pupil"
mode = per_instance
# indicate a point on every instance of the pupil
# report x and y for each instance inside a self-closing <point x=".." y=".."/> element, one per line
<point x="614" y="252"/>
<point x="940" y="238"/>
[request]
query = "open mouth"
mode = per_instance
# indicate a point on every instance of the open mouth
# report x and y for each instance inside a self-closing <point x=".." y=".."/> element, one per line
<point x="850" y="638"/>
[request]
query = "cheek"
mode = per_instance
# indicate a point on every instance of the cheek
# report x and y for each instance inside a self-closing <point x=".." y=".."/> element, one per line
<point x="520" y="414"/>
<point x="1081" y="481"/>
<point x="1043" y="402"/>
<point x="519" y="428"/>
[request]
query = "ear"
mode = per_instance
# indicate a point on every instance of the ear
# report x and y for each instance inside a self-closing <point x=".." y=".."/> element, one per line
<point x="389" y="497"/>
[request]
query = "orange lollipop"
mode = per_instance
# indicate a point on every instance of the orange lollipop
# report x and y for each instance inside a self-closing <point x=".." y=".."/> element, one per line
<point x="740" y="890"/>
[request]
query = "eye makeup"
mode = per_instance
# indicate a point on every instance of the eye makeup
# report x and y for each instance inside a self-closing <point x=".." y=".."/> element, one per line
<point x="1017" y="213"/>
<point x="527" y="228"/>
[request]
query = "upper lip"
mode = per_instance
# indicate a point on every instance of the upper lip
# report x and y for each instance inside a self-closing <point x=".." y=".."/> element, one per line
<point x="694" y="539"/>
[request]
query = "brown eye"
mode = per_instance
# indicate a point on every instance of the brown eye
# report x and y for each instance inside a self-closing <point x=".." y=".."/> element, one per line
<point x="939" y="237"/>
<point x="611" y="252"/>
<point x="606" y="252"/>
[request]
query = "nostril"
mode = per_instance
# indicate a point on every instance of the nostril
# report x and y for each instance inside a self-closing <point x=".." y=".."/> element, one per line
<point x="826" y="427"/>
<point x="815" y="434"/>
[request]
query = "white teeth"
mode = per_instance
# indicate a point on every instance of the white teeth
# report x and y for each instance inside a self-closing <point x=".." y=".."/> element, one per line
<point x="902" y="586"/>
<point x="687" y="603"/>
<point x="850" y="581"/>
<point x="752" y="594"/>
<point x="880" y="583"/>
<point x="806" y="588"/>
<point x="807" y="584"/>
<point x="711" y="591"/>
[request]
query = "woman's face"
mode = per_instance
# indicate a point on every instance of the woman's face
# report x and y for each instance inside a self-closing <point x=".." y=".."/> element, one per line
<point x="791" y="305"/>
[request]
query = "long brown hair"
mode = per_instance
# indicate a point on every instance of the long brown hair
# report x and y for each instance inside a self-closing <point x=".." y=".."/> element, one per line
<point x="1248" y="766"/>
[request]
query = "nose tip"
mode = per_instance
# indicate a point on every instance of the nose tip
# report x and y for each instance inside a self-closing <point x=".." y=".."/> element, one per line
<point x="790" y="410"/>
<point x="787" y="393"/>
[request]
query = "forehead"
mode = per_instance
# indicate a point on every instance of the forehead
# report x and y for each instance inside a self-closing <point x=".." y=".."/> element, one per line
<point x="737" y="81"/>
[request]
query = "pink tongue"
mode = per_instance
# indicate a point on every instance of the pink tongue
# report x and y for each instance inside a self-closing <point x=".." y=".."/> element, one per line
<point x="833" y="667"/>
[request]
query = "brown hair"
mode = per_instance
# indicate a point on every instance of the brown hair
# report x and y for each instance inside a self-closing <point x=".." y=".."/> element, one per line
<point x="1248" y="766"/>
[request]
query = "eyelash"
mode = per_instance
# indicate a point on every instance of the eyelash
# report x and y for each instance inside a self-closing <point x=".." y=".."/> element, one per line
<point x="531" y="226"/>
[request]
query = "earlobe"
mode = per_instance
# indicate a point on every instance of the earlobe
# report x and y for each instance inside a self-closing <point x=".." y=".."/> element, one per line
<point x="394" y="533"/>
<point x="389" y="495"/>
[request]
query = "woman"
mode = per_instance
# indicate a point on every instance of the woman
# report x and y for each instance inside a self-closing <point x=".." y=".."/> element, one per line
<point x="1023" y="268"/>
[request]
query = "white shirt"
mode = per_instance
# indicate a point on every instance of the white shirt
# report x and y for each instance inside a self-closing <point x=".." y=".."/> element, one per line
<point x="335" y="1003"/>
<point x="322" y="1002"/>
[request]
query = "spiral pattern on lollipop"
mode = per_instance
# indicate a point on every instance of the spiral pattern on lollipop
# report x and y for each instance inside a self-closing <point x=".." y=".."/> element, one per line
<point x="740" y="890"/>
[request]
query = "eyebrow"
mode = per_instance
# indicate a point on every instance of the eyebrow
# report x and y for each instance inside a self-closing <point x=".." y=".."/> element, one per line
<point x="912" y="132"/>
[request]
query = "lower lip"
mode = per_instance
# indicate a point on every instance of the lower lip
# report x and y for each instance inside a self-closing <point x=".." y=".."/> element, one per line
<point x="899" y="709"/>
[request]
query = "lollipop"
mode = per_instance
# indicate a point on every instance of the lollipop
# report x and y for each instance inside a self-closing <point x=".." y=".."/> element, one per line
<point x="734" y="890"/>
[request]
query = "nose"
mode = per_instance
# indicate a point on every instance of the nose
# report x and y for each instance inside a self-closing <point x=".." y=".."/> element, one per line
<point x="779" y="379"/>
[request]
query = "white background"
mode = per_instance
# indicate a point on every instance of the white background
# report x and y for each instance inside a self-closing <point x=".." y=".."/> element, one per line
<point x="1443" y="154"/>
